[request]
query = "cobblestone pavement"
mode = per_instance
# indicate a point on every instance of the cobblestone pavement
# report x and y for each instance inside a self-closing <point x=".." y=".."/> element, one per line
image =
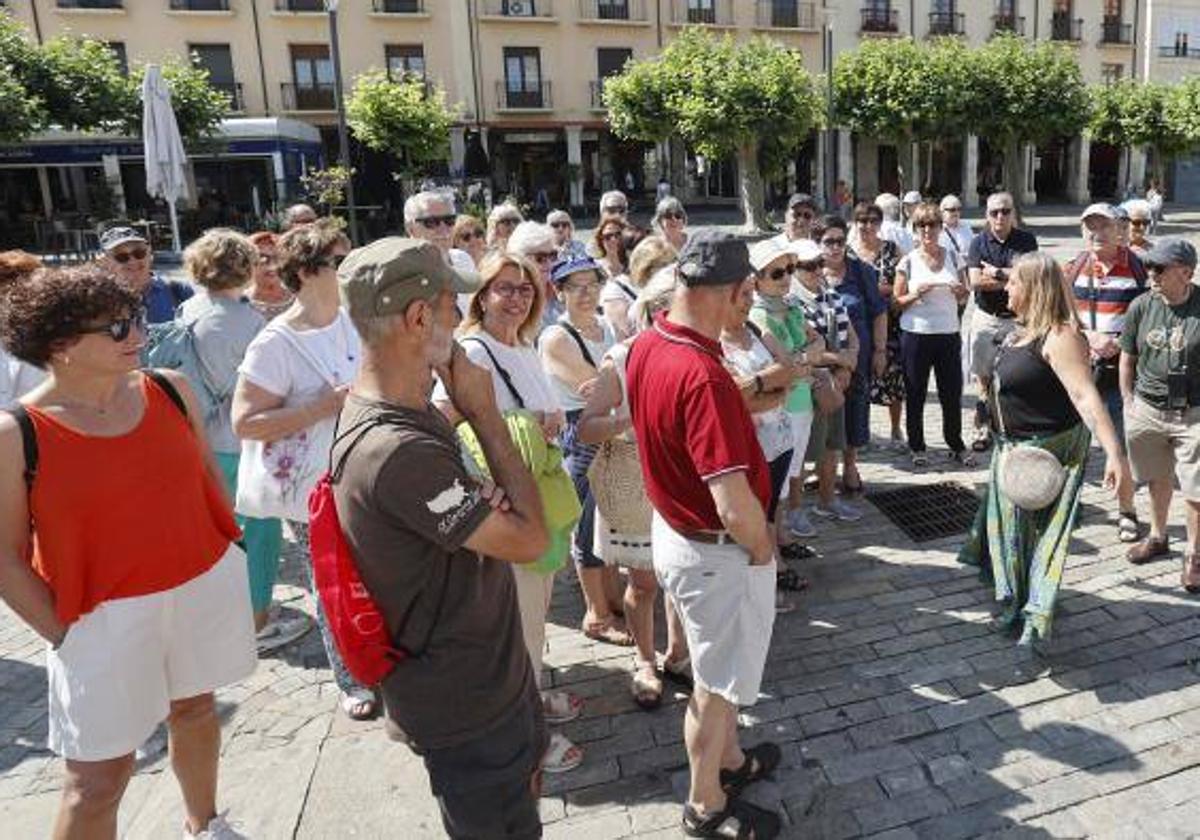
<point x="901" y="715"/>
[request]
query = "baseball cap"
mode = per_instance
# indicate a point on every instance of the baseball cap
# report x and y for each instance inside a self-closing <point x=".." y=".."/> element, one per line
<point x="386" y="276"/>
<point x="714" y="258"/>
<point x="766" y="251"/>
<point x="1171" y="250"/>
<point x="122" y="235"/>
<point x="1100" y="208"/>
<point x="800" y="199"/>
<point x="565" y="268"/>
<point x="806" y="250"/>
<point x="950" y="202"/>
<point x="911" y="197"/>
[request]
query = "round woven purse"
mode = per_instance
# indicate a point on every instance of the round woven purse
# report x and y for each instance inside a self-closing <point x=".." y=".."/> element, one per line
<point x="615" y="477"/>
<point x="1030" y="477"/>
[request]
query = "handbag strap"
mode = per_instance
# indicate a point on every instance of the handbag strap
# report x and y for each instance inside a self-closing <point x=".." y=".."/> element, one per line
<point x="504" y="375"/>
<point x="574" y="333"/>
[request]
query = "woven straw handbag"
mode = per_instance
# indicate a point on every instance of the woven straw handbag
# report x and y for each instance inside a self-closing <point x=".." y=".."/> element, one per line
<point x="1030" y="477"/>
<point x="615" y="477"/>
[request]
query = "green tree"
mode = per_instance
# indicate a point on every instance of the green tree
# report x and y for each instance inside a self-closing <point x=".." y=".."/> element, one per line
<point x="1025" y="93"/>
<point x="723" y="99"/>
<point x="199" y="107"/>
<point x="79" y="84"/>
<point x="401" y="116"/>
<point x="1181" y="112"/>
<point x="1133" y="113"/>
<point x="19" y="113"/>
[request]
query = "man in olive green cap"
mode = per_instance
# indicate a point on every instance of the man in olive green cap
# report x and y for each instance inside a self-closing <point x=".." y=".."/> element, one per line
<point x="432" y="542"/>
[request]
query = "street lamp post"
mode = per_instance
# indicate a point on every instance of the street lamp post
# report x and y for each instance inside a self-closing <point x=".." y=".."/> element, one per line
<point x="340" y="104"/>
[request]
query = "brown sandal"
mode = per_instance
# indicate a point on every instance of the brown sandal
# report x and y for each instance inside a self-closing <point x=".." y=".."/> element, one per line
<point x="608" y="634"/>
<point x="646" y="687"/>
<point x="1147" y="550"/>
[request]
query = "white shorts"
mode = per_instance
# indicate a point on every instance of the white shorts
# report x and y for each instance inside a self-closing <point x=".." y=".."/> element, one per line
<point x="119" y="667"/>
<point x="727" y="607"/>
<point x="801" y="428"/>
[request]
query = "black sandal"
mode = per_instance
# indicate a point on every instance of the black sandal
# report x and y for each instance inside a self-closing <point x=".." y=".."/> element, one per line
<point x="761" y="761"/>
<point x="797" y="551"/>
<point x="787" y="580"/>
<point x="739" y="821"/>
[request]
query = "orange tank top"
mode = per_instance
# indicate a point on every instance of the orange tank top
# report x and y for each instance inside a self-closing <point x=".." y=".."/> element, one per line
<point x="117" y="517"/>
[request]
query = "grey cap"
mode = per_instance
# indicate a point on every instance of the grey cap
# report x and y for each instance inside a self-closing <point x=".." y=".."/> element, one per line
<point x="383" y="278"/>
<point x="800" y="199"/>
<point x="714" y="258"/>
<point x="115" y="236"/>
<point x="1100" y="208"/>
<point x="1172" y="250"/>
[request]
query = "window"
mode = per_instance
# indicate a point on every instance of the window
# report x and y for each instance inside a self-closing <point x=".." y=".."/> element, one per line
<point x="523" y="77"/>
<point x="610" y="61"/>
<point x="1062" y="7"/>
<point x="1112" y="9"/>
<point x="118" y="50"/>
<point x="1006" y="9"/>
<point x="405" y="61"/>
<point x="400" y="7"/>
<point x="612" y="9"/>
<point x="312" y="73"/>
<point x="1111" y="73"/>
<point x="702" y="11"/>
<point x="218" y="61"/>
<point x="520" y="8"/>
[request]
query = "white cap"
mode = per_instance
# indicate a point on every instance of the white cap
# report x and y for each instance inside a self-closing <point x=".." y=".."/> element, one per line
<point x="805" y="250"/>
<point x="765" y="252"/>
<point x="950" y="201"/>
<point x="1100" y="208"/>
<point x="911" y="197"/>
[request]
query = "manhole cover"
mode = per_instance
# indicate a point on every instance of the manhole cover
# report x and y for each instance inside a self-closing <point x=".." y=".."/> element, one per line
<point x="928" y="511"/>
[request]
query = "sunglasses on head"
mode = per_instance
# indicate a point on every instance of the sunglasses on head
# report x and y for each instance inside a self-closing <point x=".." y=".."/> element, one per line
<point x="119" y="329"/>
<point x="780" y="273"/>
<point x="123" y="257"/>
<point x="1000" y="211"/>
<point x="432" y="222"/>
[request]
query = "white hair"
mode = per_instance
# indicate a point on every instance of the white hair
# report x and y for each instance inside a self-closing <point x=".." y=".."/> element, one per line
<point x="1137" y="208"/>
<point x="889" y="205"/>
<point x="559" y="216"/>
<point x="418" y="203"/>
<point x="653" y="297"/>
<point x="504" y="210"/>
<point x="530" y="238"/>
<point x="949" y="198"/>
<point x="612" y="197"/>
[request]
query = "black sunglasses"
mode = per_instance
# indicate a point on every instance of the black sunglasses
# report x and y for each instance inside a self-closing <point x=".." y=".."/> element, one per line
<point x="132" y="254"/>
<point x="1000" y="211"/>
<point x="119" y="329"/>
<point x="780" y="273"/>
<point x="809" y="266"/>
<point x="673" y="215"/>
<point x="432" y="222"/>
<point x="560" y="224"/>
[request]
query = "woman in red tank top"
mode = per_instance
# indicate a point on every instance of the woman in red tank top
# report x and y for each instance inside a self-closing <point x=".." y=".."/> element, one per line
<point x="117" y="546"/>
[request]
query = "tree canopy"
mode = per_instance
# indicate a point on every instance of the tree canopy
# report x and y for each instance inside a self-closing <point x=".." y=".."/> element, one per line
<point x="1162" y="116"/>
<point x="723" y="98"/>
<point x="402" y="116"/>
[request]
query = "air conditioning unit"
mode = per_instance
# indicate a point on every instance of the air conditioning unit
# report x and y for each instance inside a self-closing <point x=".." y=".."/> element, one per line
<point x="518" y="8"/>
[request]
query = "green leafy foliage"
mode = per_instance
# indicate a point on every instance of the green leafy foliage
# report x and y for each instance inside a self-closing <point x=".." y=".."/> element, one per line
<point x="19" y="112"/>
<point x="1181" y="116"/>
<point x="401" y="116"/>
<point x="327" y="187"/>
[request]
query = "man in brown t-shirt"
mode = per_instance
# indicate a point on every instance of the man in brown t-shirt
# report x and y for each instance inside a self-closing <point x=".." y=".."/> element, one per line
<point x="433" y="542"/>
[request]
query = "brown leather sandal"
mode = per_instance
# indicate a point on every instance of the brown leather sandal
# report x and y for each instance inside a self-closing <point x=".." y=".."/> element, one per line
<point x="1148" y="549"/>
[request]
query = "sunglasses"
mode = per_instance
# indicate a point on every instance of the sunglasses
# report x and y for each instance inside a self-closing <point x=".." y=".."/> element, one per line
<point x="870" y="220"/>
<point x="673" y="215"/>
<point x="123" y="257"/>
<point x="952" y="209"/>
<point x="1000" y="211"/>
<point x="120" y="329"/>
<point x="1138" y="223"/>
<point x="432" y="222"/>
<point x="780" y="273"/>
<point x="506" y="291"/>
<point x="805" y="214"/>
<point x="808" y="266"/>
<point x="468" y="235"/>
<point x="608" y="237"/>
<point x="927" y="225"/>
<point x="840" y="242"/>
<point x="333" y="261"/>
<point x="506" y="221"/>
<point x="557" y="225"/>
<point x="544" y="257"/>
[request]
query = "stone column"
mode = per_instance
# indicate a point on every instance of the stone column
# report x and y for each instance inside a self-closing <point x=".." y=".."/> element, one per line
<point x="1028" y="192"/>
<point x="43" y="176"/>
<point x="1137" y="169"/>
<point x="575" y="159"/>
<point x="1077" y="173"/>
<point x="970" y="174"/>
<point x="913" y="178"/>
<point x="866" y="172"/>
<point x="458" y="150"/>
<point x="112" y="177"/>
<point x="817" y="187"/>
<point x="845" y="159"/>
<point x="1122" y="171"/>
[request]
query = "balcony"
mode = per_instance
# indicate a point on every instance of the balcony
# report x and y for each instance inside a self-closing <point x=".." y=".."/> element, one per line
<point x="523" y="96"/>
<point x="786" y="14"/>
<point x="517" y="9"/>
<point x="946" y="23"/>
<point x="597" y="88"/>
<point x="1112" y="31"/>
<point x="199" y="5"/>
<point x="1066" y="28"/>
<point x="702" y="12"/>
<point x="315" y="97"/>
<point x="301" y="6"/>
<point x="398" y="7"/>
<point x="91" y="4"/>
<point x="1179" y="51"/>
<point x="233" y="90"/>
<point x="877" y="20"/>
<point x="614" y="11"/>
<point x="1004" y="23"/>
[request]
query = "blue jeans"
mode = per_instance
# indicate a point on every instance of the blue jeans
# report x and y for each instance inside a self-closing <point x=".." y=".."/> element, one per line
<point x="858" y="409"/>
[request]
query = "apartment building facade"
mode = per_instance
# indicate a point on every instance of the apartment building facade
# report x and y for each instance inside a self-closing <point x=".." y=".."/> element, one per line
<point x="527" y="77"/>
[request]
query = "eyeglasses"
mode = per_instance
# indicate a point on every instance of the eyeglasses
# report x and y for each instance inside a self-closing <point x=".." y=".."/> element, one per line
<point x="673" y="215"/>
<point x="780" y="273"/>
<point x="123" y="257"/>
<point x="120" y="329"/>
<point x="506" y="221"/>
<point x="839" y="242"/>
<point x="590" y="286"/>
<point x="999" y="211"/>
<point x="808" y="266"/>
<point x="1138" y="222"/>
<point x="557" y="225"/>
<point x="506" y="291"/>
<point x="432" y="222"/>
<point x="927" y="225"/>
<point x="468" y="235"/>
<point x="803" y="214"/>
<point x="333" y="261"/>
<point x="544" y="257"/>
<point x="608" y="237"/>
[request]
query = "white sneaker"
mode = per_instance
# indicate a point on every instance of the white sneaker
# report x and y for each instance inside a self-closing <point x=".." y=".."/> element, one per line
<point x="218" y="828"/>
<point x="282" y="631"/>
<point x="839" y="510"/>
<point x="799" y="524"/>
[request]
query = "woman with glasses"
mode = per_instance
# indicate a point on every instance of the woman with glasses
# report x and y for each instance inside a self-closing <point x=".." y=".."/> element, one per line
<point x="501" y="222"/>
<point x="117" y="547"/>
<point x="535" y="242"/>
<point x="930" y="286"/>
<point x="886" y="389"/>
<point x="470" y="237"/>
<point x="498" y="332"/>
<point x="670" y="221"/>
<point x="564" y="235"/>
<point x="1140" y="222"/>
<point x="608" y="246"/>
<point x="620" y="292"/>
<point x="267" y="293"/>
<point x="858" y="285"/>
<point x="290" y="389"/>
<point x="956" y="234"/>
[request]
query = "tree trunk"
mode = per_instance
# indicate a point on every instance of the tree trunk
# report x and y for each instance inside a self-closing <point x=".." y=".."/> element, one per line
<point x="1014" y="174"/>
<point x="754" y="215"/>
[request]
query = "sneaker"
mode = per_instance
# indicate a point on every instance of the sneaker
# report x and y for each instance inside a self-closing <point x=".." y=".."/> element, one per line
<point x="799" y="524"/>
<point x="218" y="828"/>
<point x="839" y="510"/>
<point x="282" y="631"/>
<point x="920" y="460"/>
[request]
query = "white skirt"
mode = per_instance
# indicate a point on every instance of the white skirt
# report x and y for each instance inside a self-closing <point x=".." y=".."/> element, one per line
<point x="633" y="551"/>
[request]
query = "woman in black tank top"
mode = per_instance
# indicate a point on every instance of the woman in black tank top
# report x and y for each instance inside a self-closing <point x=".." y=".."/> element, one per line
<point x="1043" y="396"/>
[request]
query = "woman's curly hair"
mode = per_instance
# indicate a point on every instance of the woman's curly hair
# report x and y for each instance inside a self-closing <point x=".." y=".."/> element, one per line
<point x="302" y="249"/>
<point x="47" y="310"/>
<point x="221" y="259"/>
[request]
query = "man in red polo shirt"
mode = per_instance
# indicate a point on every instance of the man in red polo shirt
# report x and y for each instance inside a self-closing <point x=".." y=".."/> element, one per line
<point x="714" y="554"/>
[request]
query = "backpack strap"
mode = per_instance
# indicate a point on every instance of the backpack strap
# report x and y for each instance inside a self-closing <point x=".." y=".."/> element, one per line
<point x="168" y="388"/>
<point x="627" y="289"/>
<point x="29" y="442"/>
<point x="504" y="376"/>
<point x="574" y="333"/>
<point x="754" y="329"/>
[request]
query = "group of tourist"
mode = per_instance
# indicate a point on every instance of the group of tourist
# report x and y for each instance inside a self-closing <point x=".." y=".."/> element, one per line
<point x="497" y="400"/>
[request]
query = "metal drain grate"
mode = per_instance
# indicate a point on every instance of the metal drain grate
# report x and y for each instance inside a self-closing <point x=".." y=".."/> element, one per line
<point x="928" y="511"/>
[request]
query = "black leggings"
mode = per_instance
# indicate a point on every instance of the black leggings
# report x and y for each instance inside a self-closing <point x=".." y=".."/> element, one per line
<point x="778" y="469"/>
<point x="941" y="354"/>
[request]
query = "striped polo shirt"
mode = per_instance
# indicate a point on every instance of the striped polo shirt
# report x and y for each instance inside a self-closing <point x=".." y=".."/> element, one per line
<point x="826" y="313"/>
<point x="1106" y="289"/>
